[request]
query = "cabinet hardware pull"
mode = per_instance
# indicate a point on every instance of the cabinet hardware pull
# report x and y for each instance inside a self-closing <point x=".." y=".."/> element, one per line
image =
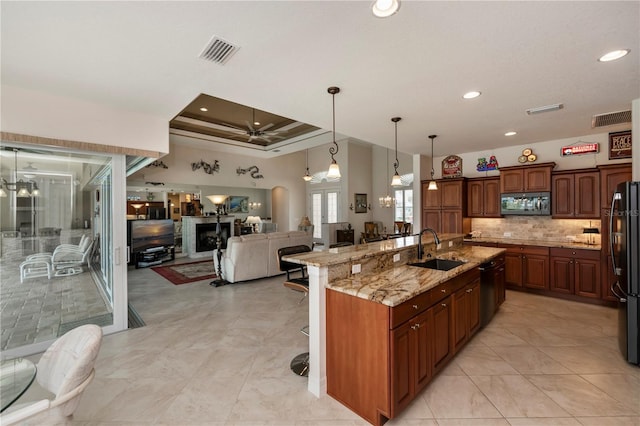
<point x="444" y="290"/>
<point x="469" y="290"/>
<point x="415" y="306"/>
<point x="415" y="326"/>
<point x="501" y="269"/>
<point x="444" y="305"/>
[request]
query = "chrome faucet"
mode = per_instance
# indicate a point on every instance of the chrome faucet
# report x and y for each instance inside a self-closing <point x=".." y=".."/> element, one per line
<point x="436" y="240"/>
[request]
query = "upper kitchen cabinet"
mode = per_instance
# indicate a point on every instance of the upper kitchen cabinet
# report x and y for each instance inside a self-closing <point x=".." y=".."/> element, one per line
<point x="526" y="178"/>
<point x="610" y="176"/>
<point x="576" y="194"/>
<point x="483" y="197"/>
<point x="443" y="209"/>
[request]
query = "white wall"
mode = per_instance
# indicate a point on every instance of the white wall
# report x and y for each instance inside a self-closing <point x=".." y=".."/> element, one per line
<point x="47" y="115"/>
<point x="285" y="171"/>
<point x="548" y="151"/>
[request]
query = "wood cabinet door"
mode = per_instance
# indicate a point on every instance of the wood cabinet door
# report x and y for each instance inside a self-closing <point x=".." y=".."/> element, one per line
<point x="431" y="199"/>
<point x="475" y="198"/>
<point x="535" y="271"/>
<point x="610" y="177"/>
<point x="587" y="276"/>
<point x="460" y="326"/>
<point x="511" y="181"/>
<point x="492" y="197"/>
<point x="442" y="347"/>
<point x="422" y="330"/>
<point x="451" y="221"/>
<point x="562" y="276"/>
<point x="473" y="307"/>
<point x="401" y="360"/>
<point x="587" y="195"/>
<point x="451" y="194"/>
<point x="537" y="179"/>
<point x="562" y="195"/>
<point x="513" y="269"/>
<point x="431" y="219"/>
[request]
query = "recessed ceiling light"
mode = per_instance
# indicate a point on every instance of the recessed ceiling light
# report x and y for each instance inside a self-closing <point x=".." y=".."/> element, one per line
<point x="385" y="8"/>
<point x="613" y="55"/>
<point x="471" y="95"/>
<point x="510" y="134"/>
<point x="203" y="109"/>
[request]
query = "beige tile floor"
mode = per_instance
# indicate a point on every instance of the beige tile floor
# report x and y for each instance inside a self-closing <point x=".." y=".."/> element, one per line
<point x="220" y="356"/>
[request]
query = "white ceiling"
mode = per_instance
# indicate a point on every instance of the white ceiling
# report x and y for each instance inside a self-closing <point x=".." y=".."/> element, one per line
<point x="143" y="56"/>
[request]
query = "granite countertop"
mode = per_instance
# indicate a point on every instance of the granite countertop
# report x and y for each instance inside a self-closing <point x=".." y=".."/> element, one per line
<point x="400" y="283"/>
<point x="346" y="254"/>
<point x="541" y="243"/>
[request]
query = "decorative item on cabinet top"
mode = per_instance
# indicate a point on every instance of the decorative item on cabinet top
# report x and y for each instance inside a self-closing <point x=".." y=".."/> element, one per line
<point x="580" y="148"/>
<point x="452" y="167"/>
<point x="158" y="163"/>
<point x="484" y="166"/>
<point x="620" y="145"/>
<point x="527" y="156"/>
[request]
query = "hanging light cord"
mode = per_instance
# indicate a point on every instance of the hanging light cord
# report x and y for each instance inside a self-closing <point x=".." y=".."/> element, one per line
<point x="432" y="137"/>
<point x="333" y="150"/>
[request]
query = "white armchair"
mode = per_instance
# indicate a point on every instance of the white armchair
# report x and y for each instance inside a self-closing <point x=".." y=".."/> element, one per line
<point x="65" y="369"/>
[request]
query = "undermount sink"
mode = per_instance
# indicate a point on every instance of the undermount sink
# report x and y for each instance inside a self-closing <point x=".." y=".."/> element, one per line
<point x="439" y="264"/>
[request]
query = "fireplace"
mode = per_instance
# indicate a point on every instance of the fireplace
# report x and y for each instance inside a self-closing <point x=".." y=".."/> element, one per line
<point x="206" y="237"/>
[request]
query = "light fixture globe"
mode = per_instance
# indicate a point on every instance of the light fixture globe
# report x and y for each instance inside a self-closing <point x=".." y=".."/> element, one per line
<point x="396" y="181"/>
<point x="385" y="8"/>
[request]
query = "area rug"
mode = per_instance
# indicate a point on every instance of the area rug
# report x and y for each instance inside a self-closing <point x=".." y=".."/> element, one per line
<point x="187" y="272"/>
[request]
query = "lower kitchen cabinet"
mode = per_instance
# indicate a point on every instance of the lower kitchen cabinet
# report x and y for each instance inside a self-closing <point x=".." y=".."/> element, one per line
<point x="575" y="271"/>
<point x="466" y="313"/>
<point x="379" y="357"/>
<point x="526" y="266"/>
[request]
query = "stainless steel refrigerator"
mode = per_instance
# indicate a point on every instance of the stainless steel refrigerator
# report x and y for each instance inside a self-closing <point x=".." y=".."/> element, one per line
<point x="624" y="233"/>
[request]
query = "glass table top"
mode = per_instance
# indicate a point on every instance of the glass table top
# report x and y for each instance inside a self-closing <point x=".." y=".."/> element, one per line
<point x="16" y="375"/>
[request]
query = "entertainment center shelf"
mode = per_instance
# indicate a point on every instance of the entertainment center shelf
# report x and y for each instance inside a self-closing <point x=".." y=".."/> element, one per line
<point x="154" y="256"/>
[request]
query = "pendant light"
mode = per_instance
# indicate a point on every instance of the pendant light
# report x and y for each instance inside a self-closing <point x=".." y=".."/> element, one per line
<point x="432" y="184"/>
<point x="387" y="201"/>
<point x="19" y="186"/>
<point x="307" y="177"/>
<point x="395" y="181"/>
<point x="334" y="169"/>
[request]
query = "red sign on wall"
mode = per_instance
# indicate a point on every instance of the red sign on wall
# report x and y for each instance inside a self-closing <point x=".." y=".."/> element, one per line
<point x="587" y="148"/>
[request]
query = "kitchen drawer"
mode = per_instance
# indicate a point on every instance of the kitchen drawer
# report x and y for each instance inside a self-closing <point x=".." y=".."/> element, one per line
<point x="532" y="250"/>
<point x="582" y="254"/>
<point x="410" y="308"/>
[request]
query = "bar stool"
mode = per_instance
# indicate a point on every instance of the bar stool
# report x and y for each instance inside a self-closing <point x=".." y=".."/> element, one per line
<point x="300" y="363"/>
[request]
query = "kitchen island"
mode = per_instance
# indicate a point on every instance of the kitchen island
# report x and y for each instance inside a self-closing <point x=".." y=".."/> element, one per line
<point x="353" y="319"/>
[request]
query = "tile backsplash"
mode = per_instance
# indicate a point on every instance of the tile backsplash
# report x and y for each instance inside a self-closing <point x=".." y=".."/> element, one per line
<point x="536" y="228"/>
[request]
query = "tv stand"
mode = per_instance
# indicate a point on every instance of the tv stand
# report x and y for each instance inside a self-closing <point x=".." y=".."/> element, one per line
<point x="154" y="256"/>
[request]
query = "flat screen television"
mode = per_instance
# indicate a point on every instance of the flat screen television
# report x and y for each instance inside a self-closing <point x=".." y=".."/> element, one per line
<point x="144" y="234"/>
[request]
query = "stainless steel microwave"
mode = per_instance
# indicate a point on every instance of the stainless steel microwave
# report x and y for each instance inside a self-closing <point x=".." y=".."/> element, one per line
<point x="526" y="204"/>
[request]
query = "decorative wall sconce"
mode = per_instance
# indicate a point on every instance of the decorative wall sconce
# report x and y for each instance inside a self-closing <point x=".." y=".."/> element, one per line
<point x="158" y="163"/>
<point x="254" y="172"/>
<point x="206" y="167"/>
<point x="254" y="205"/>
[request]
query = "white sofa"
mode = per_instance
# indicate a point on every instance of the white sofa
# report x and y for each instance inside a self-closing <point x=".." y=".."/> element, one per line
<point x="252" y="256"/>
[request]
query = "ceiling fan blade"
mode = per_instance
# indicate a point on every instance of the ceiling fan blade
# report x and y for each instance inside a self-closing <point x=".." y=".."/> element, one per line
<point x="250" y="127"/>
<point x="268" y="126"/>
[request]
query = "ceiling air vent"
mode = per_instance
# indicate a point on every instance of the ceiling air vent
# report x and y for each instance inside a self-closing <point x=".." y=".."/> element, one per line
<point x="611" y="118"/>
<point x="218" y="50"/>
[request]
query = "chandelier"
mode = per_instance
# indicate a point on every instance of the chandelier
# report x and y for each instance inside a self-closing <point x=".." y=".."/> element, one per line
<point x="20" y="187"/>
